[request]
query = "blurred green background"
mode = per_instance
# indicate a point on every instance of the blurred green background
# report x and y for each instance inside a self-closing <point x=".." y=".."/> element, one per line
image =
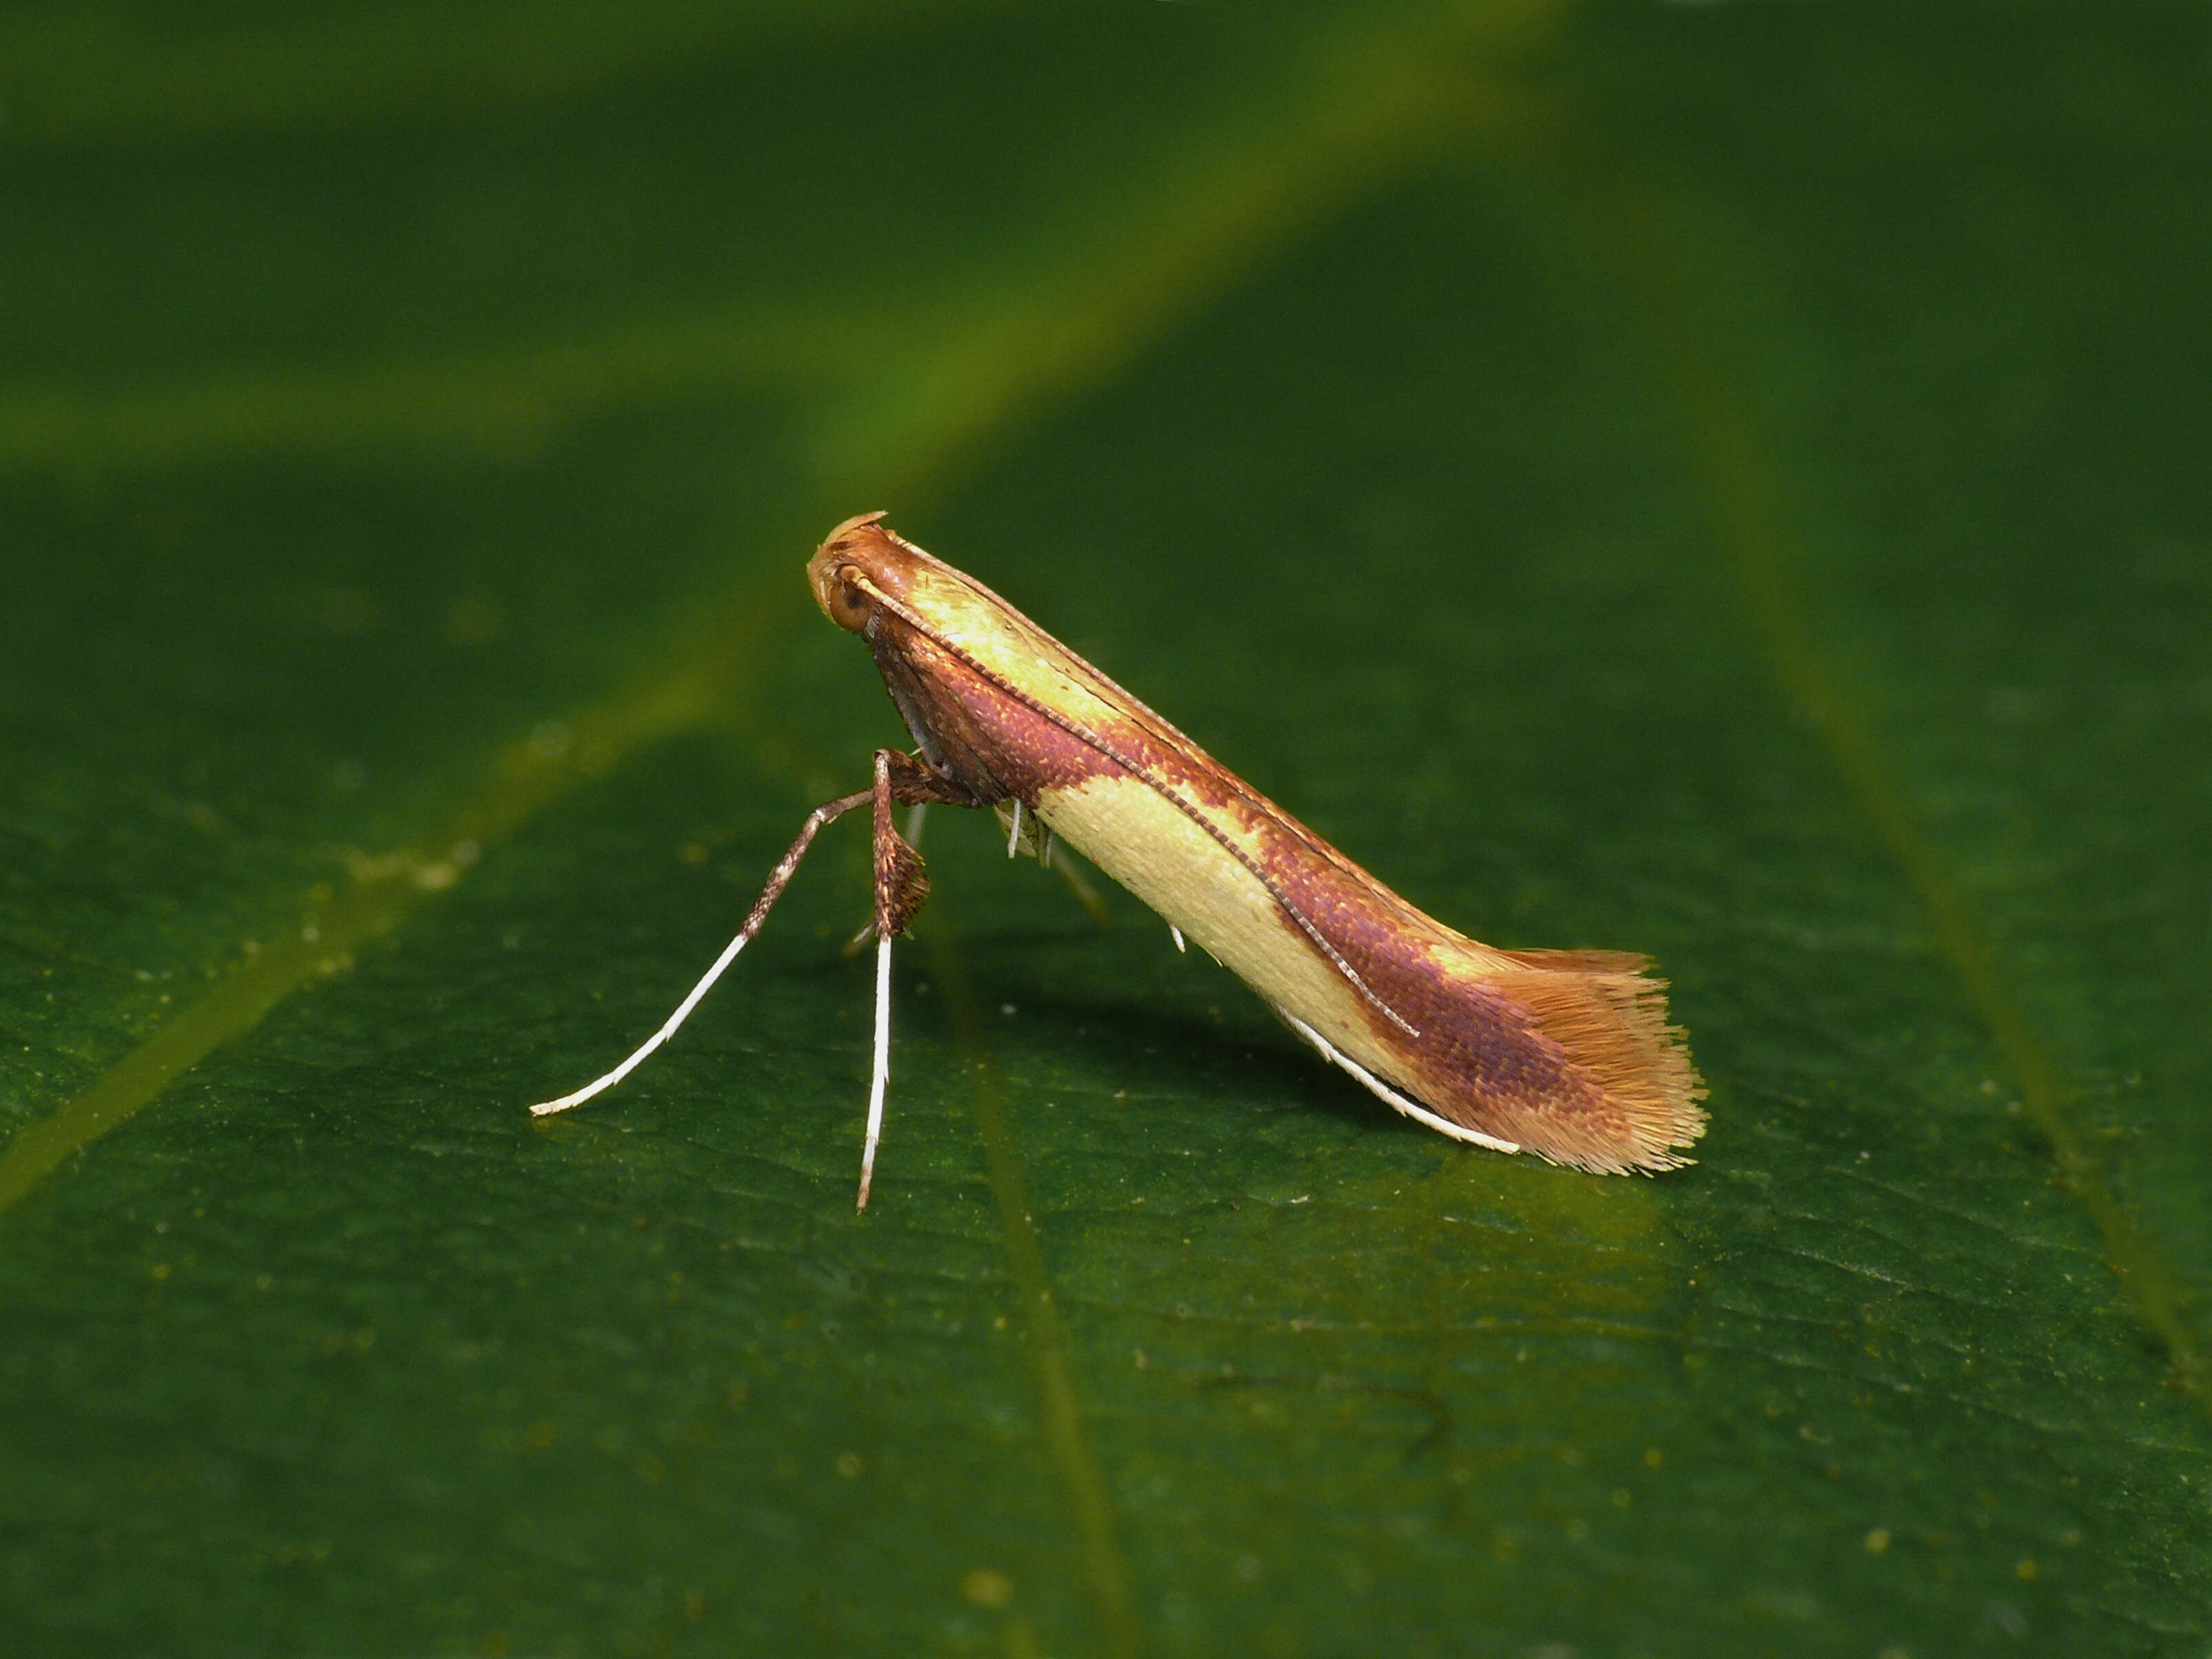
<point x="1726" y="480"/>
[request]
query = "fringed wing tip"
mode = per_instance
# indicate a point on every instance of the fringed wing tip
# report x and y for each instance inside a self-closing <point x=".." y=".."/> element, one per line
<point x="1608" y="1011"/>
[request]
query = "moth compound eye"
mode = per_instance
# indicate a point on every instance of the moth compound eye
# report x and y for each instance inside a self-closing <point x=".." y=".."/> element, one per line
<point x="848" y="603"/>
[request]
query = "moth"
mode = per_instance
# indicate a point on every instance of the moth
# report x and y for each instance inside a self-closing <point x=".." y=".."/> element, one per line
<point x="1565" y="1053"/>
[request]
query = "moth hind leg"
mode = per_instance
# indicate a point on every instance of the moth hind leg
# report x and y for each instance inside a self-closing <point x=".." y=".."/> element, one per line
<point x="1383" y="1092"/>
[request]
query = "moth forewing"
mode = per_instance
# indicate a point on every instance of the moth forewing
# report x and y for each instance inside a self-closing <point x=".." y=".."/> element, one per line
<point x="1568" y="1054"/>
<point x="1146" y="841"/>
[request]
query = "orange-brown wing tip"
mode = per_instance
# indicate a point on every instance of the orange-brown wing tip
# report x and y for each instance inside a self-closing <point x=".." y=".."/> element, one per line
<point x="1610" y="1017"/>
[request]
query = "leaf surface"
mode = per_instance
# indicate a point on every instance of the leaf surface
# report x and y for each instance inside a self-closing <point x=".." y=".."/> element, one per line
<point x="1720" y="482"/>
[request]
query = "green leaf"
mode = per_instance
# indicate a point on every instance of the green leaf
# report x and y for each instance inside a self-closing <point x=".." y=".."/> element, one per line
<point x="1721" y="481"/>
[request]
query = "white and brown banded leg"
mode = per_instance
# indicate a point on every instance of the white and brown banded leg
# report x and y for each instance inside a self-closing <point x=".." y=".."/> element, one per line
<point x="779" y="879"/>
<point x="899" y="886"/>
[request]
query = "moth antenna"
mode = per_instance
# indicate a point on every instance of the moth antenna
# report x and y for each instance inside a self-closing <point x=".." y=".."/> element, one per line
<point x="1176" y="933"/>
<point x="779" y="879"/>
<point x="1014" y="838"/>
<point x="880" y="1072"/>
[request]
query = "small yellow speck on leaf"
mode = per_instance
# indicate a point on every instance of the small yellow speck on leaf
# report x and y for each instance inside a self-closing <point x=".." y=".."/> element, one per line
<point x="987" y="1587"/>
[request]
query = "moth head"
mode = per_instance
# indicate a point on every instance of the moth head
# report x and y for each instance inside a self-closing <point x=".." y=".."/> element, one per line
<point x="859" y="560"/>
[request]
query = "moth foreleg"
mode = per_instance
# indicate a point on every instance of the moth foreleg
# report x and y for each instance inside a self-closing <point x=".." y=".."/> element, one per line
<point x="779" y="879"/>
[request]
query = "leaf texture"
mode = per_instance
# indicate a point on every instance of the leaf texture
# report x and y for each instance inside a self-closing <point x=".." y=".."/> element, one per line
<point x="1720" y="482"/>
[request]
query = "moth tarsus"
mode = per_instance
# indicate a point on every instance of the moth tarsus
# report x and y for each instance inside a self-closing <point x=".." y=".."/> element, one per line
<point x="1566" y="1053"/>
<point x="779" y="879"/>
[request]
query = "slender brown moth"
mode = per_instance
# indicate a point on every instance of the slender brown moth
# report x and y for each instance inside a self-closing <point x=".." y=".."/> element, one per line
<point x="1565" y="1054"/>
